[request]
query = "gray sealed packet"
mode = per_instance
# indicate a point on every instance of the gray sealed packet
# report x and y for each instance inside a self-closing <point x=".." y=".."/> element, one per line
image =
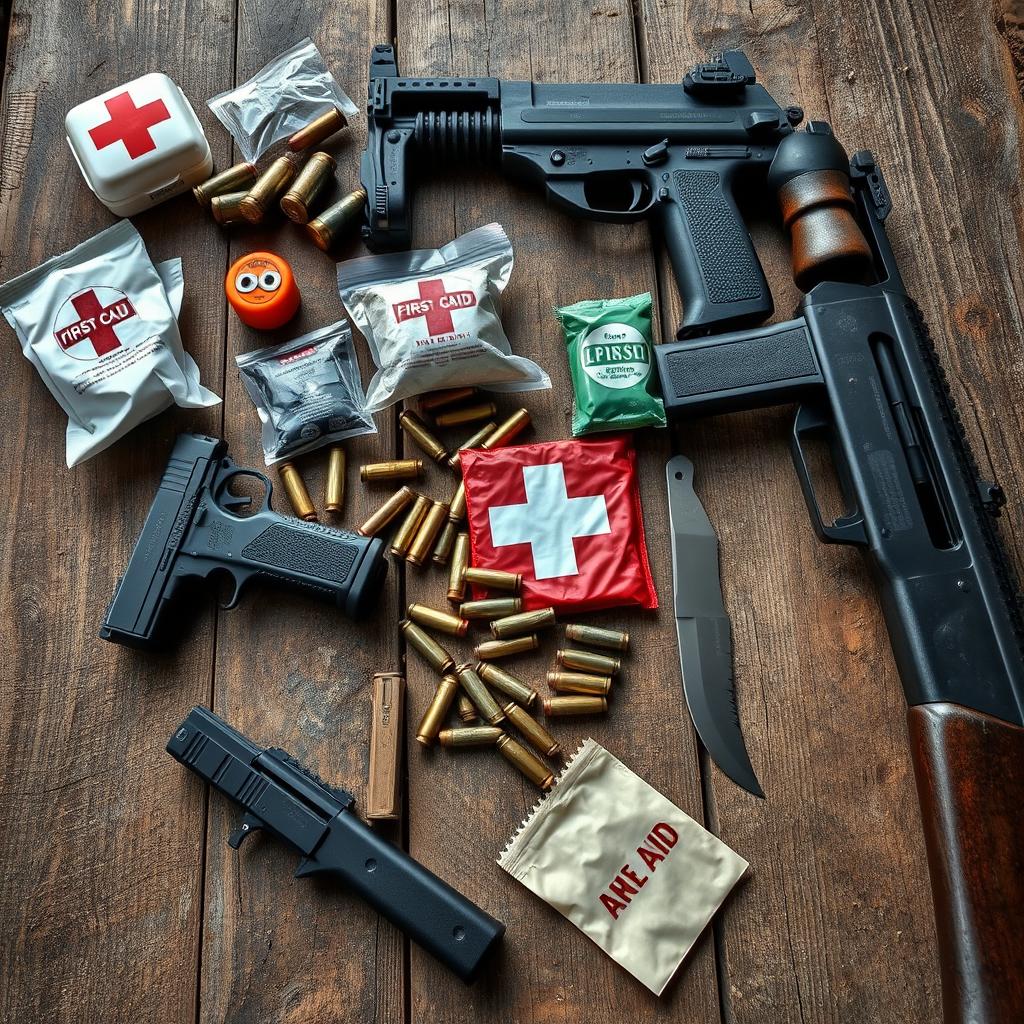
<point x="631" y="870"/>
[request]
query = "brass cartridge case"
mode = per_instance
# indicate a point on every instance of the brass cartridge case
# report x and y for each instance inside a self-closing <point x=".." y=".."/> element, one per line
<point x="434" y="618"/>
<point x="384" y="783"/>
<point x="388" y="512"/>
<point x="481" y="697"/>
<point x="474" y="736"/>
<point x="498" y="679"/>
<point x="533" y="732"/>
<point x="588" y="661"/>
<point x="320" y="128"/>
<point x="429" y="528"/>
<point x="471" y="442"/>
<point x="295" y="488"/>
<point x="491" y="649"/>
<point x="457" y="568"/>
<point x="523" y="622"/>
<point x="457" y="504"/>
<point x="410" y="524"/>
<point x="580" y="682"/>
<point x="422" y="437"/>
<point x="307" y="187"/>
<point x="508" y="429"/>
<point x="528" y="763"/>
<point x="227" y="208"/>
<point x="491" y="607"/>
<point x="466" y="710"/>
<point x="445" y="543"/>
<point x="495" y="579"/>
<point x="234" y="179"/>
<point x="465" y="414"/>
<point x="332" y="224"/>
<point x="267" y="187"/>
<point x="595" y="636"/>
<point x="437" y="710"/>
<point x="396" y="469"/>
<point x="334" y="492"/>
<point x="564" y="707"/>
<point x="427" y="648"/>
<point x="439" y="399"/>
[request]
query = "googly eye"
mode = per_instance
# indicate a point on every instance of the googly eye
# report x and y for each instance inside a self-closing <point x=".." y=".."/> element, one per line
<point x="246" y="282"/>
<point x="270" y="280"/>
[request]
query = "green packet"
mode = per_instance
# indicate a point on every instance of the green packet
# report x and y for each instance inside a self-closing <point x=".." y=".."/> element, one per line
<point x="609" y="346"/>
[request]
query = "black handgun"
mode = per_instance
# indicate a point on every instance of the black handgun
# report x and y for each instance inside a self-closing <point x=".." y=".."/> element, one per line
<point x="673" y="153"/>
<point x="281" y="796"/>
<point x="193" y="533"/>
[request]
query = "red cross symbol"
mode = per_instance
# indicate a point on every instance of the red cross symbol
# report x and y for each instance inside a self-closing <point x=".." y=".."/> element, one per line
<point x="435" y="305"/>
<point x="129" y="124"/>
<point x="96" y="323"/>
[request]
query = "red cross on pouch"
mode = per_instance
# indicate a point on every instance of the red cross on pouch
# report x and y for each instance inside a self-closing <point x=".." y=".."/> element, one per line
<point x="95" y="323"/>
<point x="435" y="305"/>
<point x="129" y="124"/>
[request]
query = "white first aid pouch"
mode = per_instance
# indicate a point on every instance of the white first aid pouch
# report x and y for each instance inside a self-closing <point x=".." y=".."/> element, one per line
<point x="99" y="323"/>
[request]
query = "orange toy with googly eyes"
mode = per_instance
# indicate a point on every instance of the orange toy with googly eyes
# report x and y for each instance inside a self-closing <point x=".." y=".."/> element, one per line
<point x="262" y="290"/>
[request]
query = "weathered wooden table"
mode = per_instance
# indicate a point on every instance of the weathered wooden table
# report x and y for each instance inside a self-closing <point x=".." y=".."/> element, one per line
<point x="120" y="899"/>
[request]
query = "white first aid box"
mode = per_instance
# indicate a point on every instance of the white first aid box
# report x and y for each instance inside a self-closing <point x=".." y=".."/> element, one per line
<point x="139" y="144"/>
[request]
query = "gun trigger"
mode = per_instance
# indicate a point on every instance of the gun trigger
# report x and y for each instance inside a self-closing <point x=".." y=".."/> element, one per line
<point x="250" y="824"/>
<point x="236" y="594"/>
<point x="307" y="866"/>
<point x="233" y="501"/>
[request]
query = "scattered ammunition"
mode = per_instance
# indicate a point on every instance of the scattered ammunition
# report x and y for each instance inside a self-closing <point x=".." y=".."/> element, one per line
<point x="474" y="736"/>
<point x="268" y="186"/>
<point x="434" y="618"/>
<point x="227" y="209"/>
<point x="466" y="710"/>
<point x="580" y="682"/>
<point x="307" y="187"/>
<point x="423" y="438"/>
<point x="322" y="127"/>
<point x="466" y="414"/>
<point x="497" y="678"/>
<point x="382" y="800"/>
<point x="445" y="543"/>
<point x="472" y="442"/>
<point x="491" y="649"/>
<point x="439" y="399"/>
<point x="396" y="469"/>
<point x="457" y="569"/>
<point x="533" y="732"/>
<point x="506" y="431"/>
<point x="234" y="179"/>
<point x="337" y="220"/>
<point x="388" y="512"/>
<point x="427" y="648"/>
<point x="491" y="607"/>
<point x="334" y="492"/>
<point x="523" y="622"/>
<point x="481" y="697"/>
<point x="588" y="661"/>
<point x="528" y="763"/>
<point x="295" y="488"/>
<point x="410" y="524"/>
<point x="563" y="707"/>
<point x="494" y="579"/>
<point x="595" y="636"/>
<point x="433" y="718"/>
<point x="457" y="505"/>
<point x="430" y="527"/>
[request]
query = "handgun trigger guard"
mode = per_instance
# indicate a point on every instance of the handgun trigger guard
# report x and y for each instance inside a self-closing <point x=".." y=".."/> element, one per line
<point x="229" y="502"/>
<point x="248" y="825"/>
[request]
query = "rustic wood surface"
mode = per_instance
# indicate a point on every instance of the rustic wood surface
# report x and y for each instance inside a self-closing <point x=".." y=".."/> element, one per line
<point x="119" y="900"/>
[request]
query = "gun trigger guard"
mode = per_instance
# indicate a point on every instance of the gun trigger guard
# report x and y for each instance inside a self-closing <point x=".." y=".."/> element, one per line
<point x="249" y="824"/>
<point x="229" y="502"/>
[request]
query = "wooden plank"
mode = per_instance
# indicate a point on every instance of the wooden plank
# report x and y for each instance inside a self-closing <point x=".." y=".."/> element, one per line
<point x="99" y="833"/>
<point x="464" y="806"/>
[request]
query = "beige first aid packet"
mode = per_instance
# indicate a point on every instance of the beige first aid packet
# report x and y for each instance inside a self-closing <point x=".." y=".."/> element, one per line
<point x="626" y="866"/>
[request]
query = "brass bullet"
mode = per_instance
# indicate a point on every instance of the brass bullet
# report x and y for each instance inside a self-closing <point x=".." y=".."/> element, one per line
<point x="580" y="682"/>
<point x="439" y="399"/>
<point x="491" y="649"/>
<point x="410" y="524"/>
<point x="498" y="679"/>
<point x="423" y="438"/>
<point x="334" y="492"/>
<point x="474" y="736"/>
<point x="388" y="512"/>
<point x="227" y="208"/>
<point x="234" y="179"/>
<point x="332" y="224"/>
<point x="427" y="648"/>
<point x="533" y="732"/>
<point x="467" y="414"/>
<point x="445" y="543"/>
<point x="457" y="504"/>
<point x="434" y="618"/>
<point x="457" y="568"/>
<point x="472" y="442"/>
<point x="495" y="579"/>
<point x="322" y="127"/>
<point x="481" y="697"/>
<point x="523" y="622"/>
<point x="491" y="607"/>
<point x="295" y="488"/>
<point x="528" y="763"/>
<point x="429" y="528"/>
<point x="595" y="636"/>
<point x="307" y="187"/>
<point x="267" y="187"/>
<point x="396" y="469"/>
<point x="437" y="710"/>
<point x="588" y="661"/>
<point x="563" y="707"/>
<point x="509" y="429"/>
<point x="466" y="710"/>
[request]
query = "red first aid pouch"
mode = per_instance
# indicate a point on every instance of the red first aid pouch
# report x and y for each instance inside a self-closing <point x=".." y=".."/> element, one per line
<point x="567" y="516"/>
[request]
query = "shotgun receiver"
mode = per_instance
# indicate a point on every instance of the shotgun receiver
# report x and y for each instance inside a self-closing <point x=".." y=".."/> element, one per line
<point x="859" y="363"/>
